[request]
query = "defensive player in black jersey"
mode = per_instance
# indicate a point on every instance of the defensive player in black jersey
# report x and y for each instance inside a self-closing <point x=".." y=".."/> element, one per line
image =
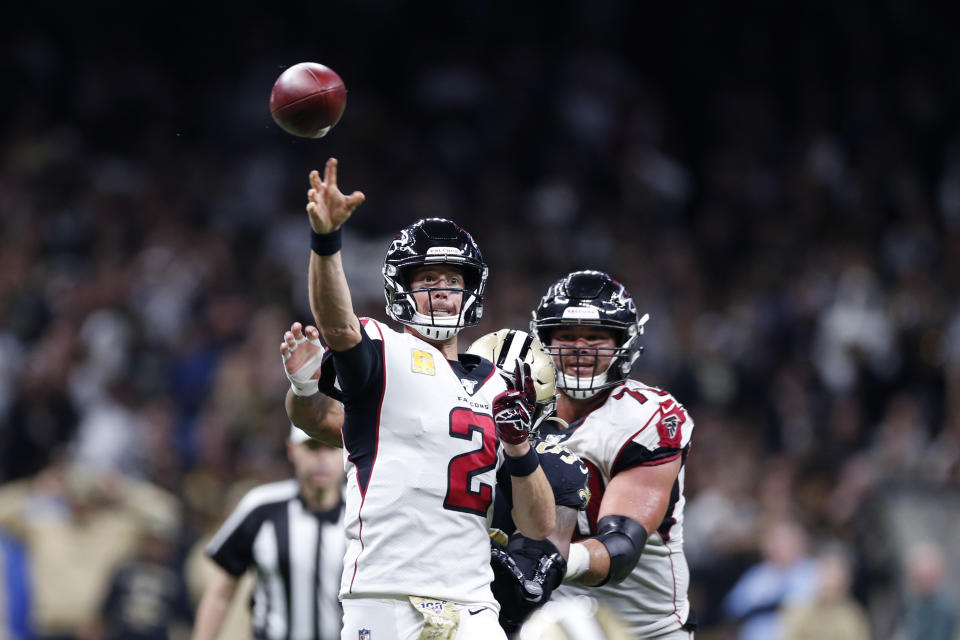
<point x="526" y="571"/>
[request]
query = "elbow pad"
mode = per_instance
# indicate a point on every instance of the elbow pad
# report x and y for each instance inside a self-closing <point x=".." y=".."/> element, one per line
<point x="624" y="539"/>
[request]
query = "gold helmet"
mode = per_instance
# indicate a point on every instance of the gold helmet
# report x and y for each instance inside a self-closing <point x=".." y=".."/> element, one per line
<point x="580" y="618"/>
<point x="504" y="347"/>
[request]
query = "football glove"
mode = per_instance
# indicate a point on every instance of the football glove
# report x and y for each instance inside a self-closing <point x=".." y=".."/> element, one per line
<point x="513" y="409"/>
<point x="540" y="561"/>
<point x="517" y="595"/>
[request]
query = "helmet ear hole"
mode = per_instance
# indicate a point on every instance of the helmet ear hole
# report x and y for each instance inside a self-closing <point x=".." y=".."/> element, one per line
<point x="545" y="336"/>
<point x="403" y="279"/>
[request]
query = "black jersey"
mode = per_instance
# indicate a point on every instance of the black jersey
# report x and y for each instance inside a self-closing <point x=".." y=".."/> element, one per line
<point x="567" y="475"/>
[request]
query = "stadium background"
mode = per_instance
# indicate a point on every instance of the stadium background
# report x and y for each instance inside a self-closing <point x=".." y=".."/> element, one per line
<point x="779" y="187"/>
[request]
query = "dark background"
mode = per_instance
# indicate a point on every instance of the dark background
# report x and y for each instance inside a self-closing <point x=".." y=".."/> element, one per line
<point x="777" y="184"/>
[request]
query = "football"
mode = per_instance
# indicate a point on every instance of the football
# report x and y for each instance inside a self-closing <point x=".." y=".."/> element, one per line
<point x="308" y="99"/>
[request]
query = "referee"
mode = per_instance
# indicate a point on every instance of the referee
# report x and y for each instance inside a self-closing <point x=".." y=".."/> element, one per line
<point x="292" y="533"/>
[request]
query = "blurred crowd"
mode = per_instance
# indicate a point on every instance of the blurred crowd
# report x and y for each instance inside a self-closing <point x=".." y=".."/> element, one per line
<point x="783" y="199"/>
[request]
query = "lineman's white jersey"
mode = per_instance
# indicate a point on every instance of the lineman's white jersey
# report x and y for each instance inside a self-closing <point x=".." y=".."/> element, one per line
<point x="637" y="425"/>
<point x="420" y="452"/>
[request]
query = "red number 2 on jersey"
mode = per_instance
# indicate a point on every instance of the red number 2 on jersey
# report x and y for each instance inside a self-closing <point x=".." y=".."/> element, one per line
<point x="464" y="467"/>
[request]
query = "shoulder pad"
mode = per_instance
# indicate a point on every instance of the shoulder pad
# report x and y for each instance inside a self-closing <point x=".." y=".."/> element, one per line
<point x="372" y="327"/>
<point x="567" y="474"/>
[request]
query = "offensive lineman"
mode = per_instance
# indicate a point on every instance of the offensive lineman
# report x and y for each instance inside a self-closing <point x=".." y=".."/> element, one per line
<point x="634" y="439"/>
<point x="420" y="440"/>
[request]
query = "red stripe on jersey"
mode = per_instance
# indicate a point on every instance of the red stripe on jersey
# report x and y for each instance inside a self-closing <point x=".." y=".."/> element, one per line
<point x="376" y="447"/>
<point x="357" y="559"/>
<point x="636" y="395"/>
<point x="673" y="580"/>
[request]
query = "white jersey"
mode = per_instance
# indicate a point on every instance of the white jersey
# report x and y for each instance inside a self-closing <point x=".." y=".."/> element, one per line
<point x="637" y="425"/>
<point x="420" y="452"/>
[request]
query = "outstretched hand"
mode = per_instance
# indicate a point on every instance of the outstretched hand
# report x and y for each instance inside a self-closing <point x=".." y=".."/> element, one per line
<point x="302" y="356"/>
<point x="327" y="206"/>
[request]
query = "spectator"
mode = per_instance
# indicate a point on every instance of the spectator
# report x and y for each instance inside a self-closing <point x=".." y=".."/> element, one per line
<point x="832" y="614"/>
<point x="78" y="526"/>
<point x="147" y="597"/>
<point x="931" y="611"/>
<point x="786" y="575"/>
<point x="14" y="591"/>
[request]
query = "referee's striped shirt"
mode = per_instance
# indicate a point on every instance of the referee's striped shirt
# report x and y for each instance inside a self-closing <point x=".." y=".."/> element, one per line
<point x="298" y="556"/>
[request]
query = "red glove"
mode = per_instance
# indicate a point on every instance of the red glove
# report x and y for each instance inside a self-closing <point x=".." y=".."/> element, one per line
<point x="513" y="409"/>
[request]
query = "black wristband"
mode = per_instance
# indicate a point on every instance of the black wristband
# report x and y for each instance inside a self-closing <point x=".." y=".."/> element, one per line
<point x="326" y="244"/>
<point x="520" y="466"/>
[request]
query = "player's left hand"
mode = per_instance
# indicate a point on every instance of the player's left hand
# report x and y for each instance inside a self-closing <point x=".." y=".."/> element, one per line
<point x="517" y="595"/>
<point x="513" y="409"/>
<point x="539" y="560"/>
<point x="302" y="356"/>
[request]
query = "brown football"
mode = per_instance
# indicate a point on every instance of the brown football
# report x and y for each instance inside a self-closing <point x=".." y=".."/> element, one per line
<point x="308" y="99"/>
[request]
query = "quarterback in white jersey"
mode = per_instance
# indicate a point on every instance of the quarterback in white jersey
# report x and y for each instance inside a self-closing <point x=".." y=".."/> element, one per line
<point x="628" y="552"/>
<point x="426" y="421"/>
<point x="421" y="427"/>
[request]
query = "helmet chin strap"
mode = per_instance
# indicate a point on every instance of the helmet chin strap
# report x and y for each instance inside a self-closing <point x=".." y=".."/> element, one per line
<point x="581" y="388"/>
<point x="435" y="328"/>
<point x="439" y="328"/>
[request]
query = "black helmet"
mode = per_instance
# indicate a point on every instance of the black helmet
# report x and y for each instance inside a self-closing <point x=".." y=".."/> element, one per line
<point x="428" y="242"/>
<point x="590" y="298"/>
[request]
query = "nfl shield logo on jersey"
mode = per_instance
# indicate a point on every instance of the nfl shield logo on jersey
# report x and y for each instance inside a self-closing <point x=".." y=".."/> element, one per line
<point x="364" y="634"/>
